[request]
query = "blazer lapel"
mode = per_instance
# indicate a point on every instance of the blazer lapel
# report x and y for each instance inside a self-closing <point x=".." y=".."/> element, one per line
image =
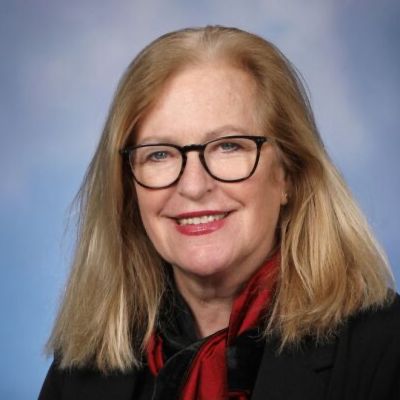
<point x="293" y="375"/>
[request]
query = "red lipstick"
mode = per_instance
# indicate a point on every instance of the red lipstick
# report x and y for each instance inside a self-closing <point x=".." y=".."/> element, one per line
<point x="194" y="228"/>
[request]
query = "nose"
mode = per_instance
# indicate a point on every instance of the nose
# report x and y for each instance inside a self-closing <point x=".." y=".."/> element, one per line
<point x="195" y="180"/>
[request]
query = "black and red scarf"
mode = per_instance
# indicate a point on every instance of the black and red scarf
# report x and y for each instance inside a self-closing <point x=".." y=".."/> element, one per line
<point x="221" y="366"/>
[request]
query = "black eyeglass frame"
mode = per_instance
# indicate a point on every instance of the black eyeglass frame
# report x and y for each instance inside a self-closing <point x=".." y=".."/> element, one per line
<point x="200" y="148"/>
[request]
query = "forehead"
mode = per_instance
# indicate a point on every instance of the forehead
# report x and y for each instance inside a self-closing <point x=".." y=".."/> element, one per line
<point x="201" y="102"/>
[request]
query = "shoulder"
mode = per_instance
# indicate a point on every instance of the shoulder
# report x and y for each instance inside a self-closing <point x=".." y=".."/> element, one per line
<point x="361" y="361"/>
<point x="367" y="359"/>
<point x="53" y="383"/>
<point x="372" y="333"/>
<point x="377" y="322"/>
<point x="86" y="384"/>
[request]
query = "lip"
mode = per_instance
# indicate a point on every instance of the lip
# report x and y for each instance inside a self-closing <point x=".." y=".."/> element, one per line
<point x="202" y="228"/>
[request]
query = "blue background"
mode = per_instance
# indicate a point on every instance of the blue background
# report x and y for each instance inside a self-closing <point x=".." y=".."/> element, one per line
<point x="60" y="63"/>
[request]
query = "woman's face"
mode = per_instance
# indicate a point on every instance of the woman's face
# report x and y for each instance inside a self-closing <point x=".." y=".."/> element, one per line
<point x="197" y="105"/>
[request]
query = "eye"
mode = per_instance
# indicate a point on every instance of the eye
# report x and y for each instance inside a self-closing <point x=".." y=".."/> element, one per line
<point x="148" y="155"/>
<point x="160" y="155"/>
<point x="229" y="146"/>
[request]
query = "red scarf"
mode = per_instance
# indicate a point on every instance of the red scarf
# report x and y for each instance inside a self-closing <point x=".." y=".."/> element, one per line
<point x="207" y="376"/>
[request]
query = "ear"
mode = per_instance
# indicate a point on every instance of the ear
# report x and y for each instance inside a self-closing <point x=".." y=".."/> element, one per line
<point x="282" y="178"/>
<point x="285" y="190"/>
<point x="284" y="198"/>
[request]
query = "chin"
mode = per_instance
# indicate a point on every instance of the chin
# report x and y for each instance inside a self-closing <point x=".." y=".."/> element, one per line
<point x="203" y="267"/>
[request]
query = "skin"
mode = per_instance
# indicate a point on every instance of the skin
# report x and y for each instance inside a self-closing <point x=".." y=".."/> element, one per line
<point x="198" y="104"/>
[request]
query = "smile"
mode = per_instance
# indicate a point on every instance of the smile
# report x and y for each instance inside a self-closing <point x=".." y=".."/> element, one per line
<point x="205" y="219"/>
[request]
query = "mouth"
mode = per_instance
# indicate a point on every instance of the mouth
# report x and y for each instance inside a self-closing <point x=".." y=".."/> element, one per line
<point x="204" y="222"/>
<point x="204" y="219"/>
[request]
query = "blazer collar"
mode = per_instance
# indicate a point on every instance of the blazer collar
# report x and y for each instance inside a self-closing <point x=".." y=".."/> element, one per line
<point x="294" y="374"/>
<point x="290" y="375"/>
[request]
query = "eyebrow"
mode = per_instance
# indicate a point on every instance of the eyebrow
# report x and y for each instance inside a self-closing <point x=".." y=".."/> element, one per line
<point x="209" y="135"/>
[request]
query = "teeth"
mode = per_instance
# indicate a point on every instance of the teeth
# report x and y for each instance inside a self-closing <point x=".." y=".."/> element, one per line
<point x="201" y="220"/>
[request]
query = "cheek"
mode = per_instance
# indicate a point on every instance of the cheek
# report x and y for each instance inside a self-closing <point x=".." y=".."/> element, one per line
<point x="148" y="205"/>
<point x="151" y="204"/>
<point x="265" y="196"/>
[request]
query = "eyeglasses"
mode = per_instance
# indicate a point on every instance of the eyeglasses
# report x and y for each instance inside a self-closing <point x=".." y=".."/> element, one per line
<point x="226" y="159"/>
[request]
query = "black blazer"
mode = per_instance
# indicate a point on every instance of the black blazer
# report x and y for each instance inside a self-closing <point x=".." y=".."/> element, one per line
<point x="362" y="363"/>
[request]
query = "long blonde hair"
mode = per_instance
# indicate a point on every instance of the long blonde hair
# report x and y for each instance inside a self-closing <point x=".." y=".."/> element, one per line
<point x="331" y="266"/>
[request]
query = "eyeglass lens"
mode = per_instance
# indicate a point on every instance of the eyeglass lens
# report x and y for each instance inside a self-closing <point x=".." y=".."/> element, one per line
<point x="227" y="159"/>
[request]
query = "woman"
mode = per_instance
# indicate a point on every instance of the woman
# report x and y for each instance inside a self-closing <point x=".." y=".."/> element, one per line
<point x="220" y="254"/>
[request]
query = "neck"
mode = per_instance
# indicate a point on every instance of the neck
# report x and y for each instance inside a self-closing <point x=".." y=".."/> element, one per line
<point x="210" y="304"/>
<point x="210" y="298"/>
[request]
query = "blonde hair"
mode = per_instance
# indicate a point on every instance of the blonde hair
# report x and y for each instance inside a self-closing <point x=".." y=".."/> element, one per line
<point x="331" y="266"/>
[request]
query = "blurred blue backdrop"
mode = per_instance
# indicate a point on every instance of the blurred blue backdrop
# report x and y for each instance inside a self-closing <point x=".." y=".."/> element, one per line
<point x="60" y="63"/>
